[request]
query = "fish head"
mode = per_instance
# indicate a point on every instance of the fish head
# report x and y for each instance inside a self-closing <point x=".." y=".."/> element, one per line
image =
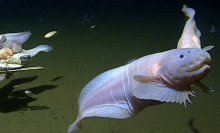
<point x="185" y="66"/>
<point x="24" y="58"/>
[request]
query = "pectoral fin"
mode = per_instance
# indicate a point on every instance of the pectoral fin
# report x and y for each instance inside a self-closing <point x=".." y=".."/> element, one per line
<point x="150" y="88"/>
<point x="146" y="79"/>
<point x="207" y="48"/>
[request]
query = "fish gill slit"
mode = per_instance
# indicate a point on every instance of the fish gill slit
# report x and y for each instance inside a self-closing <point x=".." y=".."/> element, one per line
<point x="113" y="97"/>
<point x="128" y="79"/>
<point x="124" y="91"/>
<point x="128" y="87"/>
<point x="124" y="87"/>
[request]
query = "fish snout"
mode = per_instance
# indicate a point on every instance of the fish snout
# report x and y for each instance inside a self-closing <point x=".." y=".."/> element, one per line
<point x="202" y="60"/>
<point x="206" y="57"/>
<point x="196" y="68"/>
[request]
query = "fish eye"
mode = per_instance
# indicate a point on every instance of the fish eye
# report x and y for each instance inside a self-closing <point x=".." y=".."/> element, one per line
<point x="181" y="56"/>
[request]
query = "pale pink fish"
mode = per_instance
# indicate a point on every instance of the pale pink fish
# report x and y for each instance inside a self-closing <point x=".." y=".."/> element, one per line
<point x="18" y="38"/>
<point x="162" y="77"/>
<point x="125" y="91"/>
<point x="190" y="37"/>
<point x="13" y="41"/>
<point x="191" y="34"/>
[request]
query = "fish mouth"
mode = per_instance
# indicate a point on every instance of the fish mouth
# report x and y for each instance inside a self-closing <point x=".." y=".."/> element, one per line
<point x="200" y="71"/>
<point x="201" y="65"/>
<point x="204" y="69"/>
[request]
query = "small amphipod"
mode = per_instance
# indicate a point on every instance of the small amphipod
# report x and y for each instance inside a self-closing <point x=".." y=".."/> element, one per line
<point x="50" y="34"/>
<point x="213" y="30"/>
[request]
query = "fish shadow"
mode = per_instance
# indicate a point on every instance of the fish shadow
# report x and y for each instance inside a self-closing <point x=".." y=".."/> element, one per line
<point x="35" y="90"/>
<point x="18" y="100"/>
<point x="56" y="78"/>
<point x="190" y="124"/>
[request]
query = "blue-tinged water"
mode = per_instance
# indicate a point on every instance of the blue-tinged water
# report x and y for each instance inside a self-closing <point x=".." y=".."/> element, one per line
<point x="123" y="30"/>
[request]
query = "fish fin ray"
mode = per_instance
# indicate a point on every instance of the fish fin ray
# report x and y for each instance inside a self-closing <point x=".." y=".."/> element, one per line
<point x="108" y="111"/>
<point x="205" y="88"/>
<point x="75" y="126"/>
<point x="98" y="81"/>
<point x="105" y="110"/>
<point x="160" y="92"/>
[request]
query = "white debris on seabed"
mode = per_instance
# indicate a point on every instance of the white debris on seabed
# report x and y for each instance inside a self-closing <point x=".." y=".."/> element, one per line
<point x="29" y="93"/>
<point x="16" y="86"/>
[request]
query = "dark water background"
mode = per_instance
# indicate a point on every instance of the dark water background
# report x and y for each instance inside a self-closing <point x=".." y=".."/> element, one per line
<point x="124" y="29"/>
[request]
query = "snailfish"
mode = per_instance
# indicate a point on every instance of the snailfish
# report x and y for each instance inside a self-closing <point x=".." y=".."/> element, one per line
<point x="153" y="79"/>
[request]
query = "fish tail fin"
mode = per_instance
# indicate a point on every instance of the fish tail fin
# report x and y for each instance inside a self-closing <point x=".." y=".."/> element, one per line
<point x="18" y="38"/>
<point x="75" y="126"/>
<point x="38" y="49"/>
<point x="189" y="12"/>
<point x="191" y="34"/>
